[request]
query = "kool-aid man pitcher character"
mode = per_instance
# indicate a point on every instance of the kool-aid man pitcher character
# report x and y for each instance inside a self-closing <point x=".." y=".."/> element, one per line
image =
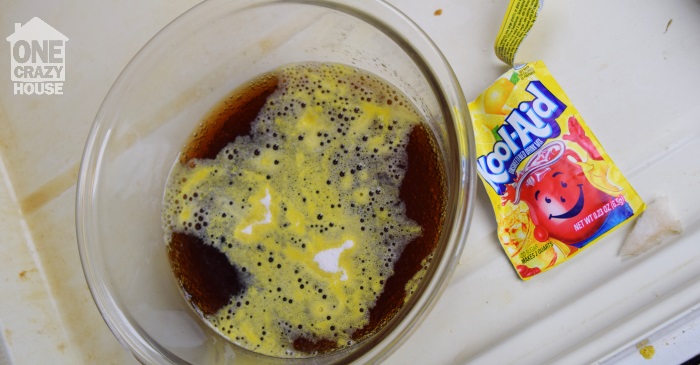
<point x="563" y="203"/>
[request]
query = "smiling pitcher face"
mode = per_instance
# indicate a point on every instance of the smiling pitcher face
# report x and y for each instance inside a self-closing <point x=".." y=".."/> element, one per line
<point x="560" y="196"/>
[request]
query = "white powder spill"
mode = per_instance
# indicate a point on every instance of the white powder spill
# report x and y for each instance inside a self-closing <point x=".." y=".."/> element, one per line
<point x="653" y="227"/>
<point x="268" y="213"/>
<point x="328" y="260"/>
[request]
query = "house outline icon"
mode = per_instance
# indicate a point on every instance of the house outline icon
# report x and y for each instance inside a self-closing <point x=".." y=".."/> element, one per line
<point x="37" y="31"/>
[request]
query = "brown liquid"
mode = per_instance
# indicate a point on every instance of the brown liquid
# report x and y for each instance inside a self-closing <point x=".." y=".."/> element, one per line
<point x="228" y="120"/>
<point x="204" y="272"/>
<point x="422" y="191"/>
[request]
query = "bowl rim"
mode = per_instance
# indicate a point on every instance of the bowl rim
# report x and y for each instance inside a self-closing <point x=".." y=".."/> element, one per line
<point x="445" y="86"/>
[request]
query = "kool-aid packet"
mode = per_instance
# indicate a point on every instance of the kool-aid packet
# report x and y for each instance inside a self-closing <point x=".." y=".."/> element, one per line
<point x="553" y="188"/>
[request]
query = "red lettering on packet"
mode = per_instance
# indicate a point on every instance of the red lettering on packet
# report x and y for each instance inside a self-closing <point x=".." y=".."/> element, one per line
<point x="578" y="135"/>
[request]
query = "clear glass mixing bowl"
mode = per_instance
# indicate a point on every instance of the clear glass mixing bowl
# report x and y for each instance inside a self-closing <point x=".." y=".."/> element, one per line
<point x="165" y="91"/>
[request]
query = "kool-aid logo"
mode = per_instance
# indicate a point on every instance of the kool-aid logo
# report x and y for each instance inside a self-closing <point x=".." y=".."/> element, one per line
<point x="525" y="130"/>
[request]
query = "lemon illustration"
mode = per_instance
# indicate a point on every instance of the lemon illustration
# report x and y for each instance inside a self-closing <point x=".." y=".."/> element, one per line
<point x="516" y="96"/>
<point x="496" y="95"/>
<point x="484" y="125"/>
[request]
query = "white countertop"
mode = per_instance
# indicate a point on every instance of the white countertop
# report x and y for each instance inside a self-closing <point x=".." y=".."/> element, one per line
<point x="634" y="81"/>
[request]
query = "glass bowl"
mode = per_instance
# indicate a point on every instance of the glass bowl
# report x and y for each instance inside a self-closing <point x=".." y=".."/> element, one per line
<point x="161" y="96"/>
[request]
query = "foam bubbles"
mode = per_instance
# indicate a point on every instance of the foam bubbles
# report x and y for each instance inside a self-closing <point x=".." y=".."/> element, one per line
<point x="307" y="205"/>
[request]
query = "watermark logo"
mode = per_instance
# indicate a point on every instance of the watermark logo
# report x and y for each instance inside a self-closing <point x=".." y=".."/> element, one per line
<point x="37" y="59"/>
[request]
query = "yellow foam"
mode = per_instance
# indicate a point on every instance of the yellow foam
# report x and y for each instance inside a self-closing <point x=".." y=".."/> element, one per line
<point x="322" y="194"/>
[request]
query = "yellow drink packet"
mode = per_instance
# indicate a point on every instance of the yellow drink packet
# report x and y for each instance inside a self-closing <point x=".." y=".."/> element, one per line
<point x="553" y="188"/>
